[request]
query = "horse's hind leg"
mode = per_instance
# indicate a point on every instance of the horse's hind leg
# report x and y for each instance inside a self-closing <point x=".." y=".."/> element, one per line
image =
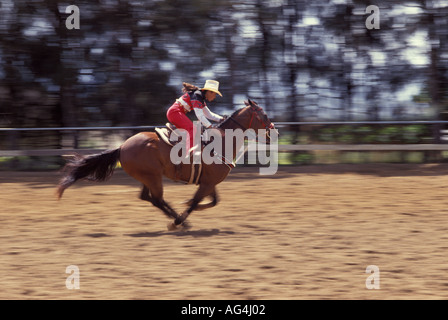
<point x="144" y="195"/>
<point x="153" y="193"/>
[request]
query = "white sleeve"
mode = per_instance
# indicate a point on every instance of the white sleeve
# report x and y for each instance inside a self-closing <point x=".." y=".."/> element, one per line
<point x="210" y="115"/>
<point x="201" y="116"/>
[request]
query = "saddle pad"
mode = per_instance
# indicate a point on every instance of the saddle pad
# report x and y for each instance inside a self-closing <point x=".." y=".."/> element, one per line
<point x="164" y="134"/>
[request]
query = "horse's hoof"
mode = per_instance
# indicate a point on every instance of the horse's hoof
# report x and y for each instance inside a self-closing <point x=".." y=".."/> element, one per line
<point x="186" y="225"/>
<point x="171" y="226"/>
<point x="183" y="226"/>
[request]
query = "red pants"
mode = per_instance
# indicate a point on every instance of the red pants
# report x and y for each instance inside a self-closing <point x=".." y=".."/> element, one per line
<point x="176" y="116"/>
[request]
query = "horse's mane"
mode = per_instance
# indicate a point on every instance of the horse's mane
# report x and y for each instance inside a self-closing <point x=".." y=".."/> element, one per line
<point x="228" y="118"/>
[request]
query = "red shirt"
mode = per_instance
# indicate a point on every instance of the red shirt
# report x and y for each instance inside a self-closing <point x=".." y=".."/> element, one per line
<point x="191" y="100"/>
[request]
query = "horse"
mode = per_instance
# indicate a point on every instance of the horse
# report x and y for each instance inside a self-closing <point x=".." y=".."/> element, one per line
<point x="146" y="158"/>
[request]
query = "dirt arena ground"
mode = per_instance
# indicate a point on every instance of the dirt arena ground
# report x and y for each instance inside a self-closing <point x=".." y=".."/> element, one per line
<point x="306" y="233"/>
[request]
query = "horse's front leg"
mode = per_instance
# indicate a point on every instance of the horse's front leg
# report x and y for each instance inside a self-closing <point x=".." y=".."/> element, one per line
<point x="159" y="203"/>
<point x="200" y="206"/>
<point x="203" y="191"/>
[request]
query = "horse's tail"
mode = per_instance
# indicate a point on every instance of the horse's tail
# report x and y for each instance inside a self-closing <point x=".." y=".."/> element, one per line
<point x="95" y="167"/>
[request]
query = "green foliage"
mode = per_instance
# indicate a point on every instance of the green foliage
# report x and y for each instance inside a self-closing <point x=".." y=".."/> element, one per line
<point x="371" y="134"/>
<point x="301" y="158"/>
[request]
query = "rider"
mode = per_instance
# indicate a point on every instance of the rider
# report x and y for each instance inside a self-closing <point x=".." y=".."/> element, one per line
<point x="194" y="99"/>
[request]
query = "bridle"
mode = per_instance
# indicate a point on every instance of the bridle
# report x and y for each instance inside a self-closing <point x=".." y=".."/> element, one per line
<point x="254" y="113"/>
<point x="255" y="110"/>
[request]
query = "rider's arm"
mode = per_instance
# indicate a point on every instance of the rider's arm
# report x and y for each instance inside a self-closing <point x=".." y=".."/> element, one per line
<point x="201" y="110"/>
<point x="201" y="116"/>
<point x="210" y="115"/>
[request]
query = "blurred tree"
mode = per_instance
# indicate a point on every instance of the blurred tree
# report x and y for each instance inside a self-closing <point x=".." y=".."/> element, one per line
<point x="301" y="60"/>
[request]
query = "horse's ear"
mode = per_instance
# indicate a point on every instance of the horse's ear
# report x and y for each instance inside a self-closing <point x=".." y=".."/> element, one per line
<point x="252" y="103"/>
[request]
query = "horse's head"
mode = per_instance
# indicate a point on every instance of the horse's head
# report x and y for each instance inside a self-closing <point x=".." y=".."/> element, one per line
<point x="258" y="119"/>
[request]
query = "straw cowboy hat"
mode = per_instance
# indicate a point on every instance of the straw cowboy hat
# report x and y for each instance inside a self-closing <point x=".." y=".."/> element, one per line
<point x="212" y="85"/>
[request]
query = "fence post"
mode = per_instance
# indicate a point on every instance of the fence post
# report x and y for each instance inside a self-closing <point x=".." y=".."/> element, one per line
<point x="12" y="145"/>
<point x="437" y="154"/>
<point x="436" y="132"/>
<point x="76" y="139"/>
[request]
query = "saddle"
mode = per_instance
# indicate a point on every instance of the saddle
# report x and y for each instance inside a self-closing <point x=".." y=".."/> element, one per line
<point x="166" y="132"/>
<point x="170" y="137"/>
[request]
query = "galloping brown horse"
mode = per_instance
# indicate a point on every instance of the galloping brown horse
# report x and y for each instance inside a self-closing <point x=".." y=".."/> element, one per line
<point x="146" y="158"/>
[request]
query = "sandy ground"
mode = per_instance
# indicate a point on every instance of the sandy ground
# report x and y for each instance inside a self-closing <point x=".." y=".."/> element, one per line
<point x="306" y="233"/>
